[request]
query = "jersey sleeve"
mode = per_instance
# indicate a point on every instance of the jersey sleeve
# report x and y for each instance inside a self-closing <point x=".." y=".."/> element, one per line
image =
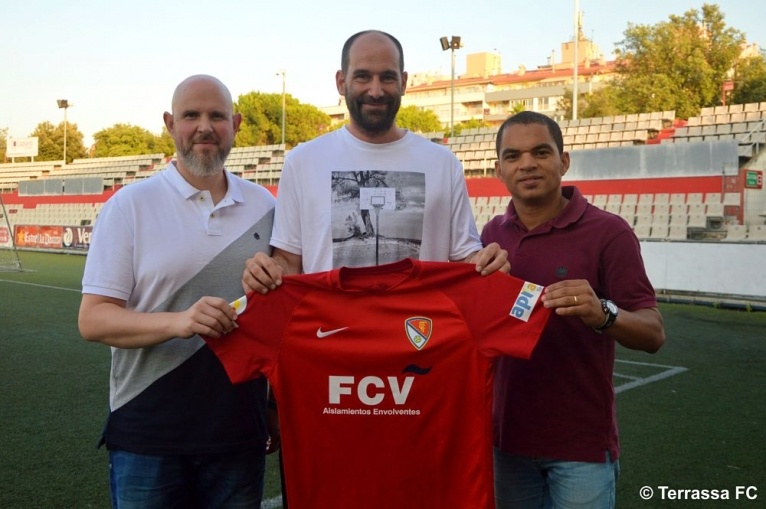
<point x="504" y="314"/>
<point x="252" y="348"/>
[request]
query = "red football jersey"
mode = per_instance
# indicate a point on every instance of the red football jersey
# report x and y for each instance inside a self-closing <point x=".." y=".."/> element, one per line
<point x="383" y="377"/>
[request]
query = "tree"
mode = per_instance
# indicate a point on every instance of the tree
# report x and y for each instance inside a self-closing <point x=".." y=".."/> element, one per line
<point x="417" y="120"/>
<point x="128" y="140"/>
<point x="473" y="123"/>
<point x="3" y="141"/>
<point x="676" y="65"/>
<point x="262" y="120"/>
<point x="749" y="81"/>
<point x="602" y="102"/>
<point x="51" y="142"/>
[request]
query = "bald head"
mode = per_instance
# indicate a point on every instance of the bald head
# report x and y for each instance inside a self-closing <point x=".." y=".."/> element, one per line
<point x="204" y="80"/>
<point x="376" y="35"/>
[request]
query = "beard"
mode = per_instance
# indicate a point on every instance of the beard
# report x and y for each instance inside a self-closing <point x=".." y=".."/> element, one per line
<point x="204" y="164"/>
<point x="376" y="122"/>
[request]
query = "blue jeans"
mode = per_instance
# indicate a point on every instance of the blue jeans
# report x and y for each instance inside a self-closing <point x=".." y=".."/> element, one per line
<point x="231" y="481"/>
<point x="526" y="483"/>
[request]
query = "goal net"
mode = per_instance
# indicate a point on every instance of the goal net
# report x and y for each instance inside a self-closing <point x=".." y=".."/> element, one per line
<point x="9" y="256"/>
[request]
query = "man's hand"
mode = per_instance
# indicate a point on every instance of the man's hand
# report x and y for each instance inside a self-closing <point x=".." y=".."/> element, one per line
<point x="209" y="316"/>
<point x="575" y="297"/>
<point x="262" y="273"/>
<point x="490" y="259"/>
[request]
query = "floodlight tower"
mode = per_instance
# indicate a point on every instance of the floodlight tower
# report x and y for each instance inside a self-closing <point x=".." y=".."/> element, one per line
<point x="283" y="73"/>
<point x="451" y="44"/>
<point x="63" y="103"/>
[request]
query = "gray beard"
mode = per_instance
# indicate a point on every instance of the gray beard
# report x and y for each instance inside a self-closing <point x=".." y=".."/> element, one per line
<point x="203" y="165"/>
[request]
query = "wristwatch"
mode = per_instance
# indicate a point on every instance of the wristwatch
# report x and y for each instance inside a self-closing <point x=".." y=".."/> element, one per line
<point x="610" y="310"/>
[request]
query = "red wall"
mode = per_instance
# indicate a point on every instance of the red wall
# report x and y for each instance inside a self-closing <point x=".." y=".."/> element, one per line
<point x="480" y="187"/>
<point x="710" y="184"/>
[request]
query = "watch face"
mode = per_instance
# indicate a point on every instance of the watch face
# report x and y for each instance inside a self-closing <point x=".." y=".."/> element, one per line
<point x="611" y="306"/>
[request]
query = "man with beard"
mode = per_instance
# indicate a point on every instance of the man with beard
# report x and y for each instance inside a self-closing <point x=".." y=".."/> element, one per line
<point x="422" y="210"/>
<point x="331" y="186"/>
<point x="165" y="261"/>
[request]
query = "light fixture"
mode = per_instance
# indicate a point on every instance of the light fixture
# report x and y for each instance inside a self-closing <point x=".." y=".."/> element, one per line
<point x="451" y="44"/>
<point x="64" y="104"/>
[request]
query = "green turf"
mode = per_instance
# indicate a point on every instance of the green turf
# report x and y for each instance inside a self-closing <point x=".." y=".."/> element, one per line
<point x="700" y="429"/>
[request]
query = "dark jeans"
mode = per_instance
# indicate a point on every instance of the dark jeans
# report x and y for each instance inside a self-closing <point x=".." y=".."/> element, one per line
<point x="204" y="481"/>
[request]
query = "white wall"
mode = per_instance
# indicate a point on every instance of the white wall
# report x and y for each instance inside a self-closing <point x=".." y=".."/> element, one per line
<point x="721" y="268"/>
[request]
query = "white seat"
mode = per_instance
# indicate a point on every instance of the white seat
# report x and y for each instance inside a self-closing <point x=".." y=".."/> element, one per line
<point x="697" y="221"/>
<point x="696" y="208"/>
<point x="600" y="200"/>
<point x="628" y="209"/>
<point x="660" y="220"/>
<point x="643" y="219"/>
<point x="714" y="209"/>
<point x="732" y="199"/>
<point x="630" y="199"/>
<point x="712" y="198"/>
<point x="736" y="232"/>
<point x="642" y="231"/>
<point x="644" y="209"/>
<point x="677" y="232"/>
<point x="757" y="232"/>
<point x="659" y="231"/>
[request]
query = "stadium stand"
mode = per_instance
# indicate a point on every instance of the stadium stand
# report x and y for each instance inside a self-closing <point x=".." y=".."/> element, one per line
<point x="669" y="213"/>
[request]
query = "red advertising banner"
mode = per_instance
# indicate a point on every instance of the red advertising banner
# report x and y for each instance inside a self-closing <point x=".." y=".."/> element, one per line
<point x="52" y="237"/>
<point x="46" y="237"/>
<point x="5" y="237"/>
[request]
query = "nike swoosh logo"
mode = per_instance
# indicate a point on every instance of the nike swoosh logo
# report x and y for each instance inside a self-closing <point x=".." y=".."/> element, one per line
<point x="323" y="334"/>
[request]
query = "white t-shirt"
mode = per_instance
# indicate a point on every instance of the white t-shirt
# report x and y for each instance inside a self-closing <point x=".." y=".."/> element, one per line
<point x="345" y="202"/>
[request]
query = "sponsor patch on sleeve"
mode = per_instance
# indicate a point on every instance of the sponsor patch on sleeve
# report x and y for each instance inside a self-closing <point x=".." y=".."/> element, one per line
<point x="526" y="300"/>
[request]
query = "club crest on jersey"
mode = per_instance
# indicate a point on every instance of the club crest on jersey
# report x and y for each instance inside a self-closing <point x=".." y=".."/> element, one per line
<point x="418" y="330"/>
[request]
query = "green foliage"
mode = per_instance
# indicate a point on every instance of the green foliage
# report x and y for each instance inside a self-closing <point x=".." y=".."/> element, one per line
<point x="749" y="81"/>
<point x="128" y="140"/>
<point x="51" y="142"/>
<point x="600" y="103"/>
<point x="676" y="65"/>
<point x="418" y="120"/>
<point x="3" y="141"/>
<point x="262" y="120"/>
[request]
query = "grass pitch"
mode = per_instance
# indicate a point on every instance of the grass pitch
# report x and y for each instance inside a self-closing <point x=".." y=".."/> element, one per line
<point x="691" y="416"/>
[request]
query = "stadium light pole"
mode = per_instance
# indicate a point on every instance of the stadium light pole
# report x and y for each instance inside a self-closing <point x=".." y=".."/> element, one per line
<point x="451" y="44"/>
<point x="63" y="103"/>
<point x="283" y="73"/>
<point x="574" y="71"/>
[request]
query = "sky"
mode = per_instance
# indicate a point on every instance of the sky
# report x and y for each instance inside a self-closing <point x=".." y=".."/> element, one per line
<point x="119" y="62"/>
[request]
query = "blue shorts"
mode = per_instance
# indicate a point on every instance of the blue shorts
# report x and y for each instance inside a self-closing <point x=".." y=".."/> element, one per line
<point x="525" y="483"/>
<point x="231" y="481"/>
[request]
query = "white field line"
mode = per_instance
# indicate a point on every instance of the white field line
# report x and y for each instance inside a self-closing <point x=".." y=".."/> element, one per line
<point x="41" y="286"/>
<point x="668" y="371"/>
